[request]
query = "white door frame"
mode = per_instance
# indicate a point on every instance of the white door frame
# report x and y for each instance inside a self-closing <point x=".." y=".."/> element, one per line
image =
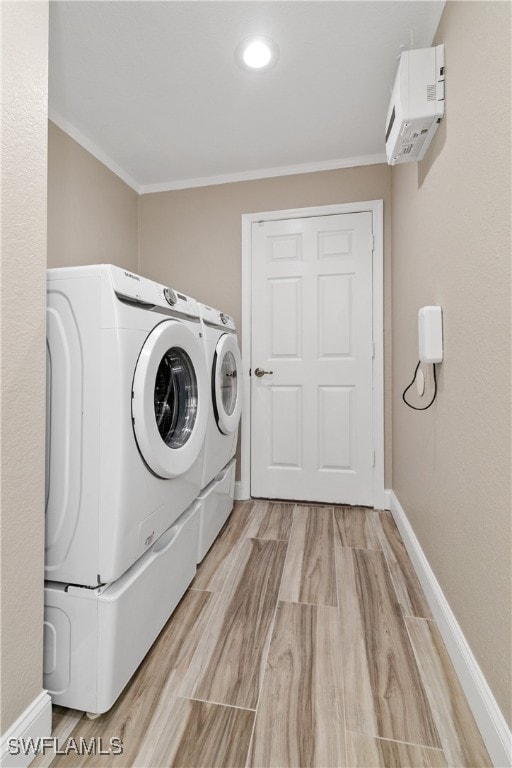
<point x="376" y="208"/>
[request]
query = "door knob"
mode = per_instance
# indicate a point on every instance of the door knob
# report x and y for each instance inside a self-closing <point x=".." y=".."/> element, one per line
<point x="259" y="372"/>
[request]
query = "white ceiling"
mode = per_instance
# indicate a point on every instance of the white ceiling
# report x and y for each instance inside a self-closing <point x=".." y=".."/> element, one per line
<point x="154" y="91"/>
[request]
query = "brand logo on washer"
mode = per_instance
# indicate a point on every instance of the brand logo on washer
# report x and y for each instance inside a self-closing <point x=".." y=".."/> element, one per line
<point x="133" y="277"/>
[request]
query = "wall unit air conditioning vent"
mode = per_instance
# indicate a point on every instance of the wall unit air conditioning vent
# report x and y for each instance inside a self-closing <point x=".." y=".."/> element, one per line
<point x="416" y="106"/>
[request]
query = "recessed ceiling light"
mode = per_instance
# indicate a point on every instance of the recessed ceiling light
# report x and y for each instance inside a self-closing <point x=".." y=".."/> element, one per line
<point x="257" y="53"/>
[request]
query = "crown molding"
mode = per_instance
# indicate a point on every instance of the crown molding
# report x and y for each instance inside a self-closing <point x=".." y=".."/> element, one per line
<point x="93" y="149"/>
<point x="265" y="173"/>
<point x="207" y="181"/>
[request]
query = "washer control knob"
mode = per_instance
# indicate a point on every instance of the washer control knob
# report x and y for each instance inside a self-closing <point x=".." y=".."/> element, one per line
<point x="170" y="296"/>
<point x="224" y="318"/>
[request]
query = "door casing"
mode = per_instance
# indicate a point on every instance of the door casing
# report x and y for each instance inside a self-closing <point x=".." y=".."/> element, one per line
<point x="376" y="208"/>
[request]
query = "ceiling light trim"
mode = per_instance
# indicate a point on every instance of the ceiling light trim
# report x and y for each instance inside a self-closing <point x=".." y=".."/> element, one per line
<point x="93" y="149"/>
<point x="265" y="173"/>
<point x="242" y="48"/>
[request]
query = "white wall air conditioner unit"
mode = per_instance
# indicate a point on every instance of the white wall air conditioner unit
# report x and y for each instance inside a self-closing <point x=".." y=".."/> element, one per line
<point x="416" y="106"/>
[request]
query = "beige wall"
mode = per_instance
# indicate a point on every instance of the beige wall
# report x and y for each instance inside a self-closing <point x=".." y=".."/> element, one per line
<point x="191" y="239"/>
<point x="92" y="214"/>
<point x="24" y="46"/>
<point x="451" y="246"/>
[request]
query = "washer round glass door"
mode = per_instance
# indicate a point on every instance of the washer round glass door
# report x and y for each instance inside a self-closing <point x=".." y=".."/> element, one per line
<point x="169" y="396"/>
<point x="227" y="383"/>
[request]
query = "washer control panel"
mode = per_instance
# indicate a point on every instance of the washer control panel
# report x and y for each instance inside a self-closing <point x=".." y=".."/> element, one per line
<point x="170" y="296"/>
<point x="139" y="290"/>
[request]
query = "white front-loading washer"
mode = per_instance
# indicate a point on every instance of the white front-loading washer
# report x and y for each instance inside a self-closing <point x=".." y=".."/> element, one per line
<point x="127" y="410"/>
<point x="224" y="367"/>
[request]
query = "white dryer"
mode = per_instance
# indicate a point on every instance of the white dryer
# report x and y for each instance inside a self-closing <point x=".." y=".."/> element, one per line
<point x="127" y="410"/>
<point x="224" y="367"/>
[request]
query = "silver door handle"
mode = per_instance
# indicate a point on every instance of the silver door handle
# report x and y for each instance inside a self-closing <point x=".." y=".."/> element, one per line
<point x="259" y="372"/>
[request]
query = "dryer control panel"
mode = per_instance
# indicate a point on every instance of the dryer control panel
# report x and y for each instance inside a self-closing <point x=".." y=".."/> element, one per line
<point x="216" y="319"/>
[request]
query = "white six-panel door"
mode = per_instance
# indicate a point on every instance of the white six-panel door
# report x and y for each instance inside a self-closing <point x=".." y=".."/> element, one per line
<point x="311" y="412"/>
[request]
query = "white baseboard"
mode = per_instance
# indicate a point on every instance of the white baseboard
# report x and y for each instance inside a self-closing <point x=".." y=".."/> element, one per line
<point x="35" y="722"/>
<point x="387" y="499"/>
<point x="241" y="493"/>
<point x="489" y="718"/>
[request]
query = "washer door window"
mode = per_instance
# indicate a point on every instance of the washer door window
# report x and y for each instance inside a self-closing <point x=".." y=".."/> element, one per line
<point x="175" y="397"/>
<point x="227" y="384"/>
<point x="169" y="397"/>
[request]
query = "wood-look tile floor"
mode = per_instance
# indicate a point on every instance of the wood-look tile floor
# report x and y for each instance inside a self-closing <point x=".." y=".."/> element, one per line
<point x="304" y="640"/>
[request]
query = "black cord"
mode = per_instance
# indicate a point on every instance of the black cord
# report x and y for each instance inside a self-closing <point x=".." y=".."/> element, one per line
<point x="414" y="407"/>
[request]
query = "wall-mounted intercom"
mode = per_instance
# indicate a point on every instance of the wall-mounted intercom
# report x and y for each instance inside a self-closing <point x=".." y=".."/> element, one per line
<point x="430" y="348"/>
<point x="430" y="334"/>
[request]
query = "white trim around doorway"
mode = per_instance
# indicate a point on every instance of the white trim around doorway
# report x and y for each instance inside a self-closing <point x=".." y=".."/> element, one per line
<point x="376" y="208"/>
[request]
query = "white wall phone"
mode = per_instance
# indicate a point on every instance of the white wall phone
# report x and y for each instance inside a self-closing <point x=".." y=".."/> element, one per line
<point x="430" y="350"/>
<point x="430" y="334"/>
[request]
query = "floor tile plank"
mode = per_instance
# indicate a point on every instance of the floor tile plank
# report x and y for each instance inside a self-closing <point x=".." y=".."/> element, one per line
<point x="300" y="711"/>
<point x="201" y="735"/>
<point x="455" y="723"/>
<point x="309" y="572"/>
<point x="229" y="662"/>
<point x="384" y="694"/>
<point x="355" y="527"/>
<point x="244" y="522"/>
<point x="408" y="589"/>
<point x="276" y="520"/>
<point x="368" y="752"/>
